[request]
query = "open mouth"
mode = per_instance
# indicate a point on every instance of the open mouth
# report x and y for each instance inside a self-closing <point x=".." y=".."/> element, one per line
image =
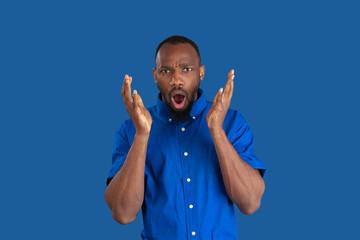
<point x="178" y="99"/>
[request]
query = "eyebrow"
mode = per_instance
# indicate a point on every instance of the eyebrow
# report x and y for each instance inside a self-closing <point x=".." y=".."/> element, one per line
<point x="186" y="65"/>
<point x="164" y="67"/>
<point x="181" y="65"/>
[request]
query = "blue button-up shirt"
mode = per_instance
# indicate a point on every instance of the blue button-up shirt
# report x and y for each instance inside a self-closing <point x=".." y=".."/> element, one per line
<point x="185" y="196"/>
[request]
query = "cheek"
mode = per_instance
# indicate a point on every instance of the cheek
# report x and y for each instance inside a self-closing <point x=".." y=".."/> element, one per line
<point x="195" y="82"/>
<point x="161" y="84"/>
<point x="163" y="81"/>
<point x="164" y="89"/>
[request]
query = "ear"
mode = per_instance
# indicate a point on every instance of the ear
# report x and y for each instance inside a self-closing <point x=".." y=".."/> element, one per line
<point x="154" y="73"/>
<point x="202" y="72"/>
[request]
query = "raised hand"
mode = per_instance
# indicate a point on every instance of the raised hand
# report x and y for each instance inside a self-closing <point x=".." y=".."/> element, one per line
<point x="216" y="115"/>
<point x="134" y="106"/>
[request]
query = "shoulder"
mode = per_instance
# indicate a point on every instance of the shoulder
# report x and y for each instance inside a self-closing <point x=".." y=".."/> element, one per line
<point x="232" y="117"/>
<point x="152" y="110"/>
<point x="231" y="113"/>
<point x="234" y="123"/>
<point x="125" y="130"/>
<point x="235" y="115"/>
<point x="128" y="127"/>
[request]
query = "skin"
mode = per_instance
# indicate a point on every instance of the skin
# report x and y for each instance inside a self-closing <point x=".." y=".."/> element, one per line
<point x="178" y="67"/>
<point x="125" y="193"/>
<point x="244" y="184"/>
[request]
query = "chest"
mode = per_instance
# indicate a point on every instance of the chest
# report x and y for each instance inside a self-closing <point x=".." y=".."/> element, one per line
<point x="178" y="150"/>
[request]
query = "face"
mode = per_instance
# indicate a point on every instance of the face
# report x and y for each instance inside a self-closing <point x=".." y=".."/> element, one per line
<point x="178" y="74"/>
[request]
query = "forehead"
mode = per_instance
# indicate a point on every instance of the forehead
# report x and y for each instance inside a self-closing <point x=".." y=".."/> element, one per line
<point x="170" y="54"/>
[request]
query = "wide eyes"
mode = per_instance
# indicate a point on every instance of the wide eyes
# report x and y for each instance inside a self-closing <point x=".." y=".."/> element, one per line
<point x="185" y="69"/>
<point x="164" y="71"/>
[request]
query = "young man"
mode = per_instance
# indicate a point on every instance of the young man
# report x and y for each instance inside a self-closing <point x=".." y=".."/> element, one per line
<point x="184" y="161"/>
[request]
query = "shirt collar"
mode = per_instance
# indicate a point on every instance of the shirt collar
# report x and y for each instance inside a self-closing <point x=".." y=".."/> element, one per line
<point x="197" y="108"/>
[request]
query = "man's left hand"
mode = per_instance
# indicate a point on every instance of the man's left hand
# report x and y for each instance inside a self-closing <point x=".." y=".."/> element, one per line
<point x="216" y="115"/>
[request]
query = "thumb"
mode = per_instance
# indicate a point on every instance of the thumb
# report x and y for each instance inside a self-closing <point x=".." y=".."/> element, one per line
<point x="218" y="96"/>
<point x="137" y="100"/>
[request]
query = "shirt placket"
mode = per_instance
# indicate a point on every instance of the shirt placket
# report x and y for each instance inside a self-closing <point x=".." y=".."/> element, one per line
<point x="184" y="134"/>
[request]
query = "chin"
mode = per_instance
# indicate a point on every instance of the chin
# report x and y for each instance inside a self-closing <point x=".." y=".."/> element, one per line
<point x="180" y="114"/>
<point x="183" y="109"/>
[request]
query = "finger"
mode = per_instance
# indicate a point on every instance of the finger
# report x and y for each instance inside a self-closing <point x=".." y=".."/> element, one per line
<point x="123" y="86"/>
<point x="127" y="90"/>
<point x="231" y="76"/>
<point x="231" y="90"/>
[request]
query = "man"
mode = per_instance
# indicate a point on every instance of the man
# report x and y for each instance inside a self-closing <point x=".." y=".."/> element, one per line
<point x="184" y="161"/>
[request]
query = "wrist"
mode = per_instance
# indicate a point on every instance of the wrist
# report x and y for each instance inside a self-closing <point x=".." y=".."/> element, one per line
<point x="216" y="130"/>
<point x="142" y="134"/>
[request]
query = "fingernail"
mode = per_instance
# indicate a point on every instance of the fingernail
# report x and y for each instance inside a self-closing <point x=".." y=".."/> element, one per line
<point x="221" y="90"/>
<point x="135" y="92"/>
<point x="233" y="71"/>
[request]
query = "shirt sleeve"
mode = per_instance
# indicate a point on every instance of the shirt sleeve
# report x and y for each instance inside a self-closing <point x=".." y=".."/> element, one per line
<point x="242" y="140"/>
<point x="120" y="151"/>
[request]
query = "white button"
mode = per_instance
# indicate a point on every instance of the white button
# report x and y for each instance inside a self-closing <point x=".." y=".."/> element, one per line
<point x="191" y="206"/>
<point x="188" y="180"/>
<point x="185" y="154"/>
<point x="183" y="129"/>
<point x="170" y="119"/>
<point x="193" y="117"/>
<point x="193" y="233"/>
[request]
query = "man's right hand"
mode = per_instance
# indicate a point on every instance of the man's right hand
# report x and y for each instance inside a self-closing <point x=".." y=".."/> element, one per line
<point x="134" y="106"/>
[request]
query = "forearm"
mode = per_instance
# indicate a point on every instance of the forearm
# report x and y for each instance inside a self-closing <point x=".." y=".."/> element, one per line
<point x="243" y="184"/>
<point x="125" y="193"/>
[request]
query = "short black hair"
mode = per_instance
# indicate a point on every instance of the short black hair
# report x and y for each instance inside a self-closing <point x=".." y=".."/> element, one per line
<point x="176" y="39"/>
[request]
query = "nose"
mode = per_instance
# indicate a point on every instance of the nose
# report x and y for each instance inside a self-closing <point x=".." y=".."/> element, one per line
<point x="176" y="79"/>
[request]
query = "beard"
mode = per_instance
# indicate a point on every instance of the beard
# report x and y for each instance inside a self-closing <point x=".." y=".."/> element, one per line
<point x="183" y="114"/>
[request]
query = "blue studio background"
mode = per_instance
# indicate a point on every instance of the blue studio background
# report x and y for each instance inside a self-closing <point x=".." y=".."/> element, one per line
<point x="297" y="84"/>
